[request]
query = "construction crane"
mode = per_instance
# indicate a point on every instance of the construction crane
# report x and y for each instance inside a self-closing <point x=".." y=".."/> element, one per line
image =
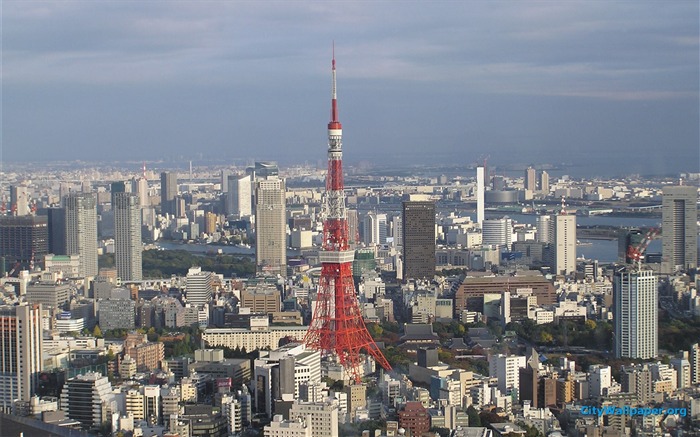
<point x="636" y="253"/>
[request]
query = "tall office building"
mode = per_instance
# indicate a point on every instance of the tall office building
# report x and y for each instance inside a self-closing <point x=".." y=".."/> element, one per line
<point x="20" y="353"/>
<point x="168" y="192"/>
<point x="545" y="229"/>
<point x="239" y="195"/>
<point x="140" y="187"/>
<point x="544" y="183"/>
<point x="24" y="239"/>
<point x="635" y="299"/>
<point x="270" y="226"/>
<point x="530" y="179"/>
<point x="353" y="227"/>
<point x="199" y="286"/>
<point x="127" y="236"/>
<point x="480" y="195"/>
<point x="57" y="230"/>
<point x="374" y="227"/>
<point x="418" y="240"/>
<point x="81" y="231"/>
<point x="397" y="226"/>
<point x="88" y="399"/>
<point x="679" y="228"/>
<point x="564" y="244"/>
<point x="224" y="180"/>
<point x="497" y="232"/>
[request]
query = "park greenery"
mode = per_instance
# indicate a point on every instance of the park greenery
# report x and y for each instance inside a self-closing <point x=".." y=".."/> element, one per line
<point x="165" y="263"/>
<point x="588" y="334"/>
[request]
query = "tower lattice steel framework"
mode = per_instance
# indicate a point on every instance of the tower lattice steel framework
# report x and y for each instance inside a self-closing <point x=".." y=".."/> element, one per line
<point x="337" y="327"/>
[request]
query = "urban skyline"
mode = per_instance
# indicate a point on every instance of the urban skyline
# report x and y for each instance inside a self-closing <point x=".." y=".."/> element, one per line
<point x="464" y="286"/>
<point x="595" y="84"/>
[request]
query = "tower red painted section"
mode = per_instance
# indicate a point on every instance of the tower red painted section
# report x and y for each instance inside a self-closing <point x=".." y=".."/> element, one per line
<point x="337" y="328"/>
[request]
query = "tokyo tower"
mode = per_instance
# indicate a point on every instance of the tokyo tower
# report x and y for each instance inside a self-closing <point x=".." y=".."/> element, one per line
<point x="337" y="327"/>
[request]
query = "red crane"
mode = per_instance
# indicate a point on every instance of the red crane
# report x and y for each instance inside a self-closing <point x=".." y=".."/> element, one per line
<point x="636" y="253"/>
<point x="337" y="328"/>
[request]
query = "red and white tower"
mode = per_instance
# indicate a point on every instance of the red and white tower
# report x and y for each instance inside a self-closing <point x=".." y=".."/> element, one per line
<point x="337" y="328"/>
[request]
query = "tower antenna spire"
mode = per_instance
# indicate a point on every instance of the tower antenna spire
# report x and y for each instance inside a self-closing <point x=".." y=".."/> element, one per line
<point x="334" y="95"/>
<point x="337" y="328"/>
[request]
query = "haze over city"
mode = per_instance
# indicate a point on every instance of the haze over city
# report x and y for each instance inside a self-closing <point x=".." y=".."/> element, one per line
<point x="609" y="86"/>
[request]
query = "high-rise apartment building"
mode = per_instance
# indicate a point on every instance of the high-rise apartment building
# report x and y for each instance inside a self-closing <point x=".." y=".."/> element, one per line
<point x="564" y="244"/>
<point x="635" y="299"/>
<point x="270" y="226"/>
<point x="20" y="353"/>
<point x="239" y="195"/>
<point x="24" y="239"/>
<point x="694" y="358"/>
<point x="530" y="179"/>
<point x="418" y="240"/>
<point x="127" y="236"/>
<point x="168" y="192"/>
<point x="544" y="183"/>
<point x="480" y="195"/>
<point x="81" y="230"/>
<point x="679" y="228"/>
<point x="507" y="369"/>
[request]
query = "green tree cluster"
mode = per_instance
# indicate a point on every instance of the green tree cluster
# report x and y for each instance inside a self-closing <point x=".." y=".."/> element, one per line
<point x="164" y="263"/>
<point x="588" y="334"/>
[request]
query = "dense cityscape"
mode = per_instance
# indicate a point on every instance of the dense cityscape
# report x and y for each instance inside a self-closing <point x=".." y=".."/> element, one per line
<point x="506" y="245"/>
<point x="206" y="301"/>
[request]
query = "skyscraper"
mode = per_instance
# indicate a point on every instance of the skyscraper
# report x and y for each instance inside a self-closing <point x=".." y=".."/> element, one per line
<point x="679" y="228"/>
<point x="81" y="231"/>
<point x="24" y="239"/>
<point x="564" y="243"/>
<point x="57" y="230"/>
<point x="140" y="187"/>
<point x="270" y="226"/>
<point x="127" y="236"/>
<point x="480" y="194"/>
<point x="418" y="240"/>
<point x="545" y="229"/>
<point x="544" y="182"/>
<point x="238" y="196"/>
<point x="635" y="299"/>
<point x="530" y="179"/>
<point x="20" y="353"/>
<point x="168" y="191"/>
<point x="374" y="227"/>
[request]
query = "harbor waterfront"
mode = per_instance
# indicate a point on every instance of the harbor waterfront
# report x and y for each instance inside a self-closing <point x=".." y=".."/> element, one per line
<point x="603" y="250"/>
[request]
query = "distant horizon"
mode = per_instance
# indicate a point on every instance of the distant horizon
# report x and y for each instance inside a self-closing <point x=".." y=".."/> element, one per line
<point x="512" y="169"/>
<point x="613" y="87"/>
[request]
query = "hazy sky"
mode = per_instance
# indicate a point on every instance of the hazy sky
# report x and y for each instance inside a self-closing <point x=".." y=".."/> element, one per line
<point x="607" y="84"/>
